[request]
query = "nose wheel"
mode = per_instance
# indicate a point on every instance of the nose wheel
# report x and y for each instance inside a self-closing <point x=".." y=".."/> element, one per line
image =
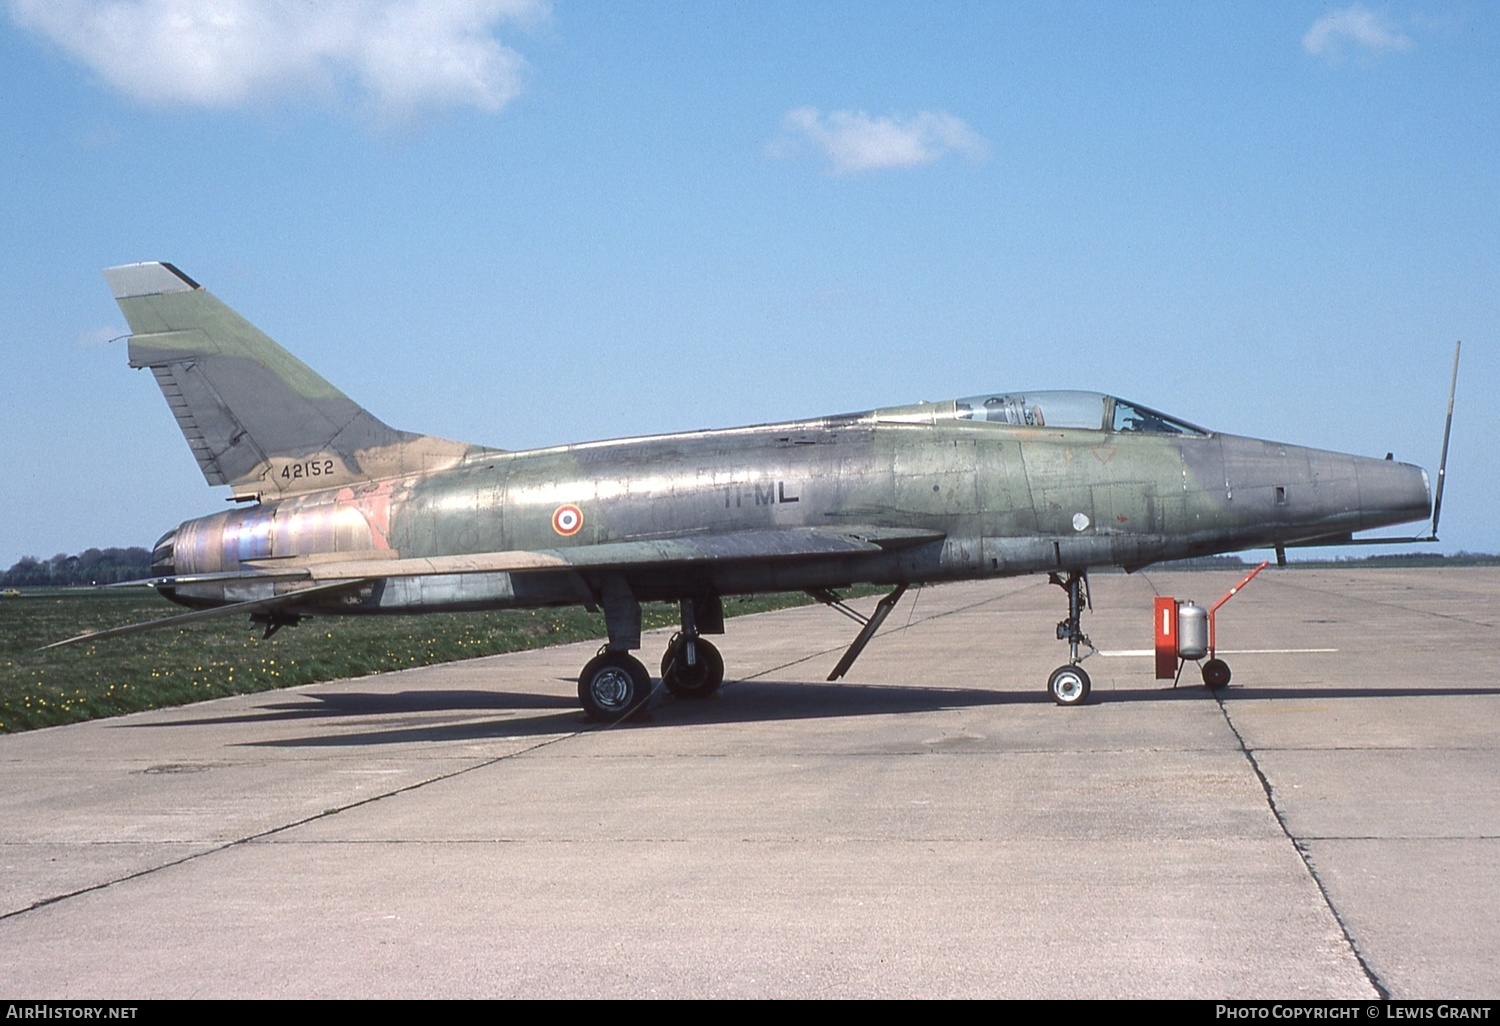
<point x="1068" y="685"/>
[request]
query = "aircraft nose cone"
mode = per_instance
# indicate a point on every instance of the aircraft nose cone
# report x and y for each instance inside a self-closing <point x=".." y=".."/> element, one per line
<point x="1393" y="493"/>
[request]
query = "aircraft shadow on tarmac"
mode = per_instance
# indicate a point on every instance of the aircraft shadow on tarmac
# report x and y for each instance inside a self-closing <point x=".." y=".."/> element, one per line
<point x="745" y="702"/>
<point x="355" y="703"/>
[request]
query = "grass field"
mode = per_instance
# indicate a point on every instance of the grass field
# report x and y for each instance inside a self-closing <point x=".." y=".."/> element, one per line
<point x="227" y="657"/>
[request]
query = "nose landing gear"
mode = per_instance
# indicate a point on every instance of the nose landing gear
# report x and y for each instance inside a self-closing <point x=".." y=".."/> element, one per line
<point x="1069" y="684"/>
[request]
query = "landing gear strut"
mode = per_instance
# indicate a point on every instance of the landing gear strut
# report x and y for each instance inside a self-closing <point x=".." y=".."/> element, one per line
<point x="1069" y="685"/>
<point x="691" y="667"/>
<point x="869" y="624"/>
<point x="614" y="684"/>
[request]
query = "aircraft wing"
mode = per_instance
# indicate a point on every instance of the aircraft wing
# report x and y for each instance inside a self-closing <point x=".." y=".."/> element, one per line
<point x="788" y="544"/>
<point x="334" y="572"/>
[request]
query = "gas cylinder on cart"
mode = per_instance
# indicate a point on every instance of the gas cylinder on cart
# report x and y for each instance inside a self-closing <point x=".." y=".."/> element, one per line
<point x="1192" y="630"/>
<point x="1181" y="633"/>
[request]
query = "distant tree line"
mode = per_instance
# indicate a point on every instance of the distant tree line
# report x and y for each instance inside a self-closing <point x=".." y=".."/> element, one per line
<point x="1396" y="559"/>
<point x="92" y="566"/>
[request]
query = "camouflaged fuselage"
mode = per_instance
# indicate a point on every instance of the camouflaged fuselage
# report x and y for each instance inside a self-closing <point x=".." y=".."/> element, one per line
<point x="1006" y="499"/>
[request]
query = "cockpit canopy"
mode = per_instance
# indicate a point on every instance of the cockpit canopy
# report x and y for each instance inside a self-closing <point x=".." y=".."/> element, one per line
<point x="1089" y="410"/>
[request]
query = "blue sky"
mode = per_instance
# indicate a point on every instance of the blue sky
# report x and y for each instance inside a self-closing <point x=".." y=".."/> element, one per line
<point x="517" y="223"/>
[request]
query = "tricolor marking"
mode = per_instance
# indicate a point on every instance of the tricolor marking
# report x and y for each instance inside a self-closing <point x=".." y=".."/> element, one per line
<point x="567" y="520"/>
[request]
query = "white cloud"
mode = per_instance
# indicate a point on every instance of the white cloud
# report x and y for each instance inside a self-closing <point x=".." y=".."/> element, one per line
<point x="395" y="57"/>
<point x="1355" y="25"/>
<point x="854" y="142"/>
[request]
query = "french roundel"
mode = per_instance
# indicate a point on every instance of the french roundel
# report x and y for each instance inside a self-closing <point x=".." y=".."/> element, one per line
<point x="567" y="520"/>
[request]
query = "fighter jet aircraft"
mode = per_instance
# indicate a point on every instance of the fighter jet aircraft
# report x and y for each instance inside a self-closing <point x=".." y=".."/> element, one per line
<point x="341" y="514"/>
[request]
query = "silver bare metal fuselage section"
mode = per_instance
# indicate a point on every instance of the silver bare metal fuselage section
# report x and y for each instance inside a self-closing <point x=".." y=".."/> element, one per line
<point x="999" y="499"/>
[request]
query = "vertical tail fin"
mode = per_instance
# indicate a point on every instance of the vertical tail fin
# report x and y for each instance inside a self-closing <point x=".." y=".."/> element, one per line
<point x="257" y="418"/>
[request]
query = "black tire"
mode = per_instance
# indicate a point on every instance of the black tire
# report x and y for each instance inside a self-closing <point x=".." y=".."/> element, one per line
<point x="613" y="686"/>
<point x="1215" y="674"/>
<point x="697" y="681"/>
<point x="1068" y="685"/>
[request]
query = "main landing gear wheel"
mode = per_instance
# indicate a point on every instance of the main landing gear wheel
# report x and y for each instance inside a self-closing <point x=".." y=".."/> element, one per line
<point x="1068" y="685"/>
<point x="699" y="680"/>
<point x="1215" y="674"/>
<point x="613" y="685"/>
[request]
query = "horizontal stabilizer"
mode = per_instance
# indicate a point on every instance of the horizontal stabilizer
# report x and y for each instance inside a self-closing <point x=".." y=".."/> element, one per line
<point x="254" y="606"/>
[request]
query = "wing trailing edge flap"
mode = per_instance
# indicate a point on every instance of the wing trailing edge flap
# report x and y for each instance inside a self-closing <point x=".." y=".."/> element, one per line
<point x="788" y="544"/>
